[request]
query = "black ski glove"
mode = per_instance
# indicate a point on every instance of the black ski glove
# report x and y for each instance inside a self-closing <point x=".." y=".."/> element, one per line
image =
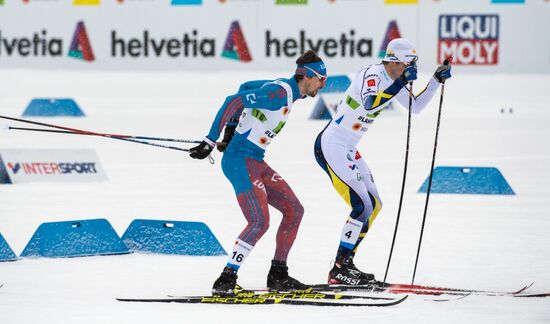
<point x="442" y="73"/>
<point x="409" y="74"/>
<point x="227" y="136"/>
<point x="202" y="150"/>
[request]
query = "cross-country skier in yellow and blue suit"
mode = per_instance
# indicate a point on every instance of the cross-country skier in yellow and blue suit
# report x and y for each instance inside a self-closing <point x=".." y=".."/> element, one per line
<point x="374" y="87"/>
<point x="252" y="119"/>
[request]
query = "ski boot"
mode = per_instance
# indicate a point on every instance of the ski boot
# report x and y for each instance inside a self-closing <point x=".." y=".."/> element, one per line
<point x="226" y="284"/>
<point x="346" y="273"/>
<point x="279" y="280"/>
<point x="362" y="275"/>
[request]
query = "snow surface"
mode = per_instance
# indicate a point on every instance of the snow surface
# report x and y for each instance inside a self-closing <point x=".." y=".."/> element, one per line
<point x="470" y="241"/>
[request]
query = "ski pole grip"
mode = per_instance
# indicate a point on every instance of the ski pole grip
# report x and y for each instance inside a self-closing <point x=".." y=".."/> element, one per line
<point x="448" y="60"/>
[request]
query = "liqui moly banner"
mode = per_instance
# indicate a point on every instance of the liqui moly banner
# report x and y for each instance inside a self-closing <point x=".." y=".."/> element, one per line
<point x="469" y="39"/>
<point x="56" y="165"/>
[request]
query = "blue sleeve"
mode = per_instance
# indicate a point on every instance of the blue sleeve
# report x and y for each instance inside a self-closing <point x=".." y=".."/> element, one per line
<point x="256" y="84"/>
<point x="270" y="97"/>
<point x="374" y="101"/>
<point x="229" y="112"/>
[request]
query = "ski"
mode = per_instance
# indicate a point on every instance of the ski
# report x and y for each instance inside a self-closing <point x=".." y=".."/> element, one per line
<point x="380" y="287"/>
<point x="255" y="300"/>
<point x="360" y="292"/>
<point x="429" y="290"/>
<point x="532" y="295"/>
<point x="304" y="294"/>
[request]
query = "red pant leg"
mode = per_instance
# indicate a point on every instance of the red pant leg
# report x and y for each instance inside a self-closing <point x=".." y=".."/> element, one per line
<point x="281" y="197"/>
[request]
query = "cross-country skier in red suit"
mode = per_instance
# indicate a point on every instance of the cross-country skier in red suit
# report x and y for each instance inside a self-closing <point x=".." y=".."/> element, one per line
<point x="252" y="118"/>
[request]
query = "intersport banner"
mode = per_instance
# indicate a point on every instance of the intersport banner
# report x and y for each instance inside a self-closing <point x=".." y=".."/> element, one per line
<point x="211" y="35"/>
<point x="53" y="165"/>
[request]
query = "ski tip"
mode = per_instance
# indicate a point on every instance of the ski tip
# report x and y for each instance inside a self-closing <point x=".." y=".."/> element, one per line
<point x="128" y="299"/>
<point x="451" y="299"/>
<point x="547" y="294"/>
<point x="401" y="300"/>
<point x="522" y="290"/>
<point x="397" y="301"/>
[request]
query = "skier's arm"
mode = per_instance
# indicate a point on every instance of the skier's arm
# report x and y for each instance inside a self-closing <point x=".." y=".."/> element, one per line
<point x="271" y="97"/>
<point x="373" y="99"/>
<point x="232" y="106"/>
<point x="249" y="85"/>
<point x="421" y="100"/>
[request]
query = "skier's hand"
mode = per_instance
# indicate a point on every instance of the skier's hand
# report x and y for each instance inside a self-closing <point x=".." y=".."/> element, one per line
<point x="442" y="73"/>
<point x="227" y="136"/>
<point x="202" y="150"/>
<point x="409" y="74"/>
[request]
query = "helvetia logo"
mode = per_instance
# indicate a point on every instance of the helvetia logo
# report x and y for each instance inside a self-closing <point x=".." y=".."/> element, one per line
<point x="347" y="45"/>
<point x="235" y="45"/>
<point x="391" y="33"/>
<point x="80" y="45"/>
<point x="37" y="45"/>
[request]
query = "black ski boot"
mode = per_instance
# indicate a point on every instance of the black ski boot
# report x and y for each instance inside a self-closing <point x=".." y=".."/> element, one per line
<point x="226" y="283"/>
<point x="279" y="280"/>
<point x="346" y="273"/>
<point x="362" y="275"/>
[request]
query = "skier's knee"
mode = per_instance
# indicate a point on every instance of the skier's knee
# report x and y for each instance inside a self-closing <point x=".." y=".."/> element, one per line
<point x="294" y="212"/>
<point x="259" y="228"/>
<point x="298" y="213"/>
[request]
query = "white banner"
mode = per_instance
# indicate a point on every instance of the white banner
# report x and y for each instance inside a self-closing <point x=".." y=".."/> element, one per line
<point x="483" y="36"/>
<point x="20" y="166"/>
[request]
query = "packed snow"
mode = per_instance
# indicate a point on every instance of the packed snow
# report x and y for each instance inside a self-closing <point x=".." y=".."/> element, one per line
<point x="470" y="241"/>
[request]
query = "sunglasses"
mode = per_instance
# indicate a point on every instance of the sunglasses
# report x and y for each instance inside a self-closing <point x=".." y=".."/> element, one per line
<point x="413" y="62"/>
<point x="321" y="77"/>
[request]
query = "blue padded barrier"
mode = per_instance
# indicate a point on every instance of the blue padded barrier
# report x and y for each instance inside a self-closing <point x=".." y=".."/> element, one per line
<point x="74" y="239"/>
<point x="320" y="110"/>
<point x="468" y="180"/>
<point x="50" y="107"/>
<point x="336" y="83"/>
<point x="171" y="237"/>
<point x="6" y="253"/>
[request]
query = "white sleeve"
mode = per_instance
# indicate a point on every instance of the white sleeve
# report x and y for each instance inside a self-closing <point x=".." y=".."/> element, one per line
<point x="421" y="100"/>
<point x="367" y="84"/>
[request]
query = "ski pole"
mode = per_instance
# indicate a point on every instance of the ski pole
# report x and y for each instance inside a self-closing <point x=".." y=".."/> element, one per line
<point x="113" y="135"/>
<point x="411" y="95"/>
<point x="128" y="138"/>
<point x="83" y="132"/>
<point x="148" y="143"/>
<point x="446" y="62"/>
